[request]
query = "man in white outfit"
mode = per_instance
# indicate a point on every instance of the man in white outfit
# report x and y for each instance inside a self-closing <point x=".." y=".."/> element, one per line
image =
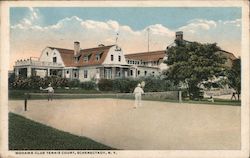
<point x="138" y="92"/>
<point x="50" y="91"/>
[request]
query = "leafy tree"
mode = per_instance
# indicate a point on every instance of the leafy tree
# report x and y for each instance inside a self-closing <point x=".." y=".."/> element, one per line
<point x="234" y="76"/>
<point x="193" y="64"/>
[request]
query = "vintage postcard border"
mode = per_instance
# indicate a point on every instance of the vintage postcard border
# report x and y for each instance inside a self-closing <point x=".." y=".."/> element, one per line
<point x="149" y="153"/>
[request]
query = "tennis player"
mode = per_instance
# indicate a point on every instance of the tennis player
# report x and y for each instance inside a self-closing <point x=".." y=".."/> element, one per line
<point x="50" y="92"/>
<point x="138" y="92"/>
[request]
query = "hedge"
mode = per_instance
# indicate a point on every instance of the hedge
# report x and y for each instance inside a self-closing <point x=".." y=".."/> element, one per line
<point x="121" y="85"/>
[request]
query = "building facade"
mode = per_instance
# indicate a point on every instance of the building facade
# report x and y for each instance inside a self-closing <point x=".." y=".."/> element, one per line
<point x="101" y="62"/>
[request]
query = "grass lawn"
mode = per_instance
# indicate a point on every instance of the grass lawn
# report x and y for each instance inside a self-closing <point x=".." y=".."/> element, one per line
<point x="25" y="134"/>
<point x="19" y="95"/>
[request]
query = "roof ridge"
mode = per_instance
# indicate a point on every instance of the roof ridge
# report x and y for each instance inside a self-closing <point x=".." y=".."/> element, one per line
<point x="146" y="52"/>
<point x="81" y="49"/>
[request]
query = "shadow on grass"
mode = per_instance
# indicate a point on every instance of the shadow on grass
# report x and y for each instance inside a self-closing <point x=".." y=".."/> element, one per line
<point x="25" y="134"/>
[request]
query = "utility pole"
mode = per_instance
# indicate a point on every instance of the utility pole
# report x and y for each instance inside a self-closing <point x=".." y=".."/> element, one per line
<point x="148" y="29"/>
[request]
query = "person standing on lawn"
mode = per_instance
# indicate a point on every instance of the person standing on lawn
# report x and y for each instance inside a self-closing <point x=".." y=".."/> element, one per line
<point x="138" y="91"/>
<point x="50" y="92"/>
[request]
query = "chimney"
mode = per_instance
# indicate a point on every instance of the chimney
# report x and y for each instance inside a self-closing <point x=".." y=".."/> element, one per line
<point x="179" y="35"/>
<point x="76" y="48"/>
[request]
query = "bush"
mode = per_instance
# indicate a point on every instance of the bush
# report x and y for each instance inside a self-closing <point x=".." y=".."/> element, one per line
<point x="35" y="82"/>
<point x="124" y="85"/>
<point x="127" y="85"/>
<point x="105" y="85"/>
<point x="88" y="85"/>
<point x="74" y="83"/>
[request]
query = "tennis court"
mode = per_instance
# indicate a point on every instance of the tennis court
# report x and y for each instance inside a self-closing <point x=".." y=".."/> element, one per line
<point x="156" y="125"/>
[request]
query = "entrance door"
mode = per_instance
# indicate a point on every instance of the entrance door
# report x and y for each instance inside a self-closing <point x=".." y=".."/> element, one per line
<point x="108" y="74"/>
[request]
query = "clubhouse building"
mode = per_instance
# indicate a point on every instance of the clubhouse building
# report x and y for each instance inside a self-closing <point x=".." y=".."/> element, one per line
<point x="101" y="62"/>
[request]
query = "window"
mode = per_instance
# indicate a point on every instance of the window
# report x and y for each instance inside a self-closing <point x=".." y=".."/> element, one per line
<point x="97" y="57"/>
<point x="138" y="72"/>
<point x="119" y="58"/>
<point x="131" y="72"/>
<point x="108" y="74"/>
<point x="85" y="73"/>
<point x="54" y="59"/>
<point x="47" y="53"/>
<point x="145" y="73"/>
<point x="153" y="73"/>
<point x="67" y="71"/>
<point x="86" y="58"/>
<point x="112" y="57"/>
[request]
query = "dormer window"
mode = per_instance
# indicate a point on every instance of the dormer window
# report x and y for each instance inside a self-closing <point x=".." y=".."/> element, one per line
<point x="54" y="59"/>
<point x="119" y="58"/>
<point x="86" y="59"/>
<point x="98" y="56"/>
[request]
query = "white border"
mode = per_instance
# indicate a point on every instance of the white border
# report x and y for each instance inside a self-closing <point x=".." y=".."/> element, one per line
<point x="244" y="152"/>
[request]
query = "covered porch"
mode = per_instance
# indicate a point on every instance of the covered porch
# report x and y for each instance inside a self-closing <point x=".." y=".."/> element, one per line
<point x="116" y="71"/>
<point x="28" y="68"/>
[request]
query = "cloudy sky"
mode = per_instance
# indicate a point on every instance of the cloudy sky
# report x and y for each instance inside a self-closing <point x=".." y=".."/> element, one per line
<point x="32" y="29"/>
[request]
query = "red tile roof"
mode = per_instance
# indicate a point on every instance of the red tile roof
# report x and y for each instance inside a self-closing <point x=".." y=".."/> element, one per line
<point x="102" y="50"/>
<point x="147" y="56"/>
<point x="68" y="56"/>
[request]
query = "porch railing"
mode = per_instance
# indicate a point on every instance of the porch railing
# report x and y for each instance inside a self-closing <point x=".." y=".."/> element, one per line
<point x="29" y="62"/>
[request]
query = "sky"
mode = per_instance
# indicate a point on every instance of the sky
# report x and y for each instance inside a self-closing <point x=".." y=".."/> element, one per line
<point x="32" y="29"/>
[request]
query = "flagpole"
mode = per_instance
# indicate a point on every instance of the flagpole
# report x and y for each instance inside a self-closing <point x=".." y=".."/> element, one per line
<point x="148" y="38"/>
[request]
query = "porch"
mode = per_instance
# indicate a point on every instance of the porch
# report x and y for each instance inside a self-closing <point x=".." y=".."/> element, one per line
<point x="30" y="67"/>
<point x="115" y="71"/>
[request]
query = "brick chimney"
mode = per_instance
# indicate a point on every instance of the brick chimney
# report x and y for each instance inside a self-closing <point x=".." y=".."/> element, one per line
<point x="76" y="48"/>
<point x="179" y="35"/>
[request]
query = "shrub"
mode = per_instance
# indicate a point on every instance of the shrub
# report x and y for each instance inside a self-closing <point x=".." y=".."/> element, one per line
<point x="124" y="85"/>
<point x="105" y="85"/>
<point x="35" y="82"/>
<point x="88" y="85"/>
<point x="74" y="83"/>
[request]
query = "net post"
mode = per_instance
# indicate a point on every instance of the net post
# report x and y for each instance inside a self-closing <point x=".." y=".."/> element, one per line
<point x="180" y="96"/>
<point x="25" y="101"/>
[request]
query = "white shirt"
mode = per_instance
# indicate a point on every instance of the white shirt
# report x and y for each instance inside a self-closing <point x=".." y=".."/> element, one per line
<point x="138" y="90"/>
<point x="49" y="89"/>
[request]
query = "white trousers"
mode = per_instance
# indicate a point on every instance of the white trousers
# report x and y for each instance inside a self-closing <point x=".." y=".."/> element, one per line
<point x="137" y="100"/>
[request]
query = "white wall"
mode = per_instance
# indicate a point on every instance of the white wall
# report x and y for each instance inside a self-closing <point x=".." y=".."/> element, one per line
<point x="116" y="54"/>
<point x="48" y="54"/>
<point x="149" y="71"/>
<point x="91" y="73"/>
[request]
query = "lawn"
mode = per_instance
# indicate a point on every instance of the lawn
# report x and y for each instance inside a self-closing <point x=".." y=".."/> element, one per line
<point x="25" y="134"/>
<point x="74" y="94"/>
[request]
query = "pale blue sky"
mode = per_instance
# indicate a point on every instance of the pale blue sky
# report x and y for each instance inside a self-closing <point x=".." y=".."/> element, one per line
<point x="32" y="29"/>
<point x="136" y="18"/>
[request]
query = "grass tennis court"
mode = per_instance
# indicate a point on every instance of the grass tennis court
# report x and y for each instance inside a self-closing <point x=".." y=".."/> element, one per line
<point x="155" y="125"/>
<point x="25" y="134"/>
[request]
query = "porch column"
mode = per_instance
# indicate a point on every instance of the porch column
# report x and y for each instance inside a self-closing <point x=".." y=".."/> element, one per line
<point x="48" y="72"/>
<point x="63" y="73"/>
<point x="113" y="72"/>
<point x="16" y="71"/>
<point x="121" y="72"/>
<point x="102" y="72"/>
<point x="28" y="71"/>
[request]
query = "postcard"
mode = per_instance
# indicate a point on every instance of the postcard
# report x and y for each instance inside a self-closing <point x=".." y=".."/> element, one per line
<point x="125" y="79"/>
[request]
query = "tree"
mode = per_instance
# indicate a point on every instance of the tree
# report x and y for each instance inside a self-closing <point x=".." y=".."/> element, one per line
<point x="234" y="76"/>
<point x="193" y="64"/>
